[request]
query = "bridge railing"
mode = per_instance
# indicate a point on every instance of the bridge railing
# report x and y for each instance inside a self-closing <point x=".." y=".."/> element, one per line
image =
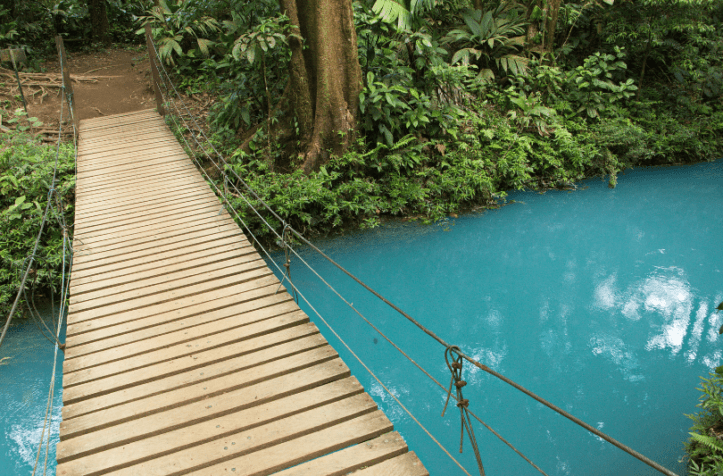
<point x="52" y="212"/>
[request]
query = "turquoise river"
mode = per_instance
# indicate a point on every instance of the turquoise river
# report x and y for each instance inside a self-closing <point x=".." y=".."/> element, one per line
<point x="599" y="300"/>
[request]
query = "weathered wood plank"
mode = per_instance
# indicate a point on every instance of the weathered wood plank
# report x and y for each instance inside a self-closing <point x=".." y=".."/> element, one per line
<point x="281" y="456"/>
<point x="204" y="246"/>
<point x="230" y="444"/>
<point x="210" y="408"/>
<point x="149" y="327"/>
<point x="352" y="458"/>
<point x="251" y="338"/>
<point x="172" y="278"/>
<point x="404" y="465"/>
<point x="111" y="223"/>
<point x="153" y="226"/>
<point x="84" y="248"/>
<point x="261" y="374"/>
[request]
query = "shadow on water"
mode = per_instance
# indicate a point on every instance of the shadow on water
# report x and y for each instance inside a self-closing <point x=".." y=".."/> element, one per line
<point x="26" y="359"/>
<point x="602" y="301"/>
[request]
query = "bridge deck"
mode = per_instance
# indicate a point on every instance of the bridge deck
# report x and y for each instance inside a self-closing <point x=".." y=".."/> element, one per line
<point x="181" y="356"/>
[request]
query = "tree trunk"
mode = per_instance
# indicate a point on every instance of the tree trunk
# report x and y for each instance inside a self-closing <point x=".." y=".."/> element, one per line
<point x="325" y="77"/>
<point x="98" y="20"/>
<point x="551" y="24"/>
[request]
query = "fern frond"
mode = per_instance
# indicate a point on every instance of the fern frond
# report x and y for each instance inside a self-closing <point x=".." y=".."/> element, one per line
<point x="713" y="443"/>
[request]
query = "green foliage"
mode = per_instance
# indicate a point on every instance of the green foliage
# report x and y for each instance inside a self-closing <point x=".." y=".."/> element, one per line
<point x="21" y="121"/>
<point x="179" y="30"/>
<point x="407" y="14"/>
<point x="705" y="447"/>
<point x="492" y="41"/>
<point x="26" y="168"/>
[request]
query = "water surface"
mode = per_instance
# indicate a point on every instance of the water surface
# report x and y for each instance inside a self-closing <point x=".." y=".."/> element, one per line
<point x="26" y="360"/>
<point x="601" y="301"/>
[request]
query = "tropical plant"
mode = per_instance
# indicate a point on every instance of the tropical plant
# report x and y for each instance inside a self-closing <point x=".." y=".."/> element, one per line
<point x="176" y="26"/>
<point x="491" y="40"/>
<point x="26" y="169"/>
<point x="705" y="447"/>
<point x="407" y="14"/>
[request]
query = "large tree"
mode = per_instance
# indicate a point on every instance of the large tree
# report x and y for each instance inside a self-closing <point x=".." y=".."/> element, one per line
<point x="325" y="77"/>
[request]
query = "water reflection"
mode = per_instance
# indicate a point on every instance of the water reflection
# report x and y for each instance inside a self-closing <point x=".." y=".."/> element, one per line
<point x="666" y="300"/>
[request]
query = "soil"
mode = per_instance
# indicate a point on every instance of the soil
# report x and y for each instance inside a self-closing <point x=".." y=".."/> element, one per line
<point x="112" y="81"/>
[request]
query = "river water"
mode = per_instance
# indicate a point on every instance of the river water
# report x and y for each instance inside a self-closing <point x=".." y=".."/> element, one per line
<point x="26" y="360"/>
<point x="601" y="301"/>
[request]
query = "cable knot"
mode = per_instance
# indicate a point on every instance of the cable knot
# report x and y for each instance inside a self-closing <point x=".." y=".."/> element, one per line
<point x="453" y="358"/>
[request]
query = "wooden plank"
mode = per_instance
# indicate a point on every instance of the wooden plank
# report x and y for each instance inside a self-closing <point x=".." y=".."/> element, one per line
<point x="203" y="226"/>
<point x="166" y="299"/>
<point x="289" y="453"/>
<point x="167" y="209"/>
<point x="248" y="338"/>
<point x="219" y="445"/>
<point x="128" y="279"/>
<point x="293" y="367"/>
<point x="171" y="419"/>
<point x="139" y="207"/>
<point x="183" y="307"/>
<point x="92" y="205"/>
<point x="174" y="281"/>
<point x="84" y="244"/>
<point x="239" y="314"/>
<point x="118" y="289"/>
<point x="140" y="172"/>
<point x="350" y="459"/>
<point x="404" y="465"/>
<point x="117" y="168"/>
<point x="118" y="213"/>
<point x="171" y="211"/>
<point x="121" y="127"/>
<point x="150" y="352"/>
<point x="118" y="145"/>
<point x="153" y="136"/>
<point x="148" y="328"/>
<point x="169" y="252"/>
<point x="136" y="191"/>
<point x="123" y="187"/>
<point x="153" y="226"/>
<point x="107" y="141"/>
<point x="95" y="156"/>
<point x="86" y="124"/>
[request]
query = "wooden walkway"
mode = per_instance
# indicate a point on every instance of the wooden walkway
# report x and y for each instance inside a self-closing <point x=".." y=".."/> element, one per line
<point x="181" y="356"/>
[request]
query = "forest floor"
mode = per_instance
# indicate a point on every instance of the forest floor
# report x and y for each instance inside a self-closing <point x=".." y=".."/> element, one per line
<point x="105" y="81"/>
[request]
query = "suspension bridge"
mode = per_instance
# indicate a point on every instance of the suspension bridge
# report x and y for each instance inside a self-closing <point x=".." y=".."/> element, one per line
<point x="184" y="353"/>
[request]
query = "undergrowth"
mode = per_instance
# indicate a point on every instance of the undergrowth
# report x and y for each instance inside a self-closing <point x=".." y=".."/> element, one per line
<point x="26" y="169"/>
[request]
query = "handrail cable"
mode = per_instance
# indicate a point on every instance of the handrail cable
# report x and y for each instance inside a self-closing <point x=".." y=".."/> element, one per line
<point x="429" y="332"/>
<point x="65" y="281"/>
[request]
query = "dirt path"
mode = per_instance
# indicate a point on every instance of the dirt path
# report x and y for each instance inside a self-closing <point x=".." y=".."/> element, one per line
<point x="120" y="84"/>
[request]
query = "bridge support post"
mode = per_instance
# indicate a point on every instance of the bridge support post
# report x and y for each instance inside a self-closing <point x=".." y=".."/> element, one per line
<point x="69" y="96"/>
<point x="154" y="71"/>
